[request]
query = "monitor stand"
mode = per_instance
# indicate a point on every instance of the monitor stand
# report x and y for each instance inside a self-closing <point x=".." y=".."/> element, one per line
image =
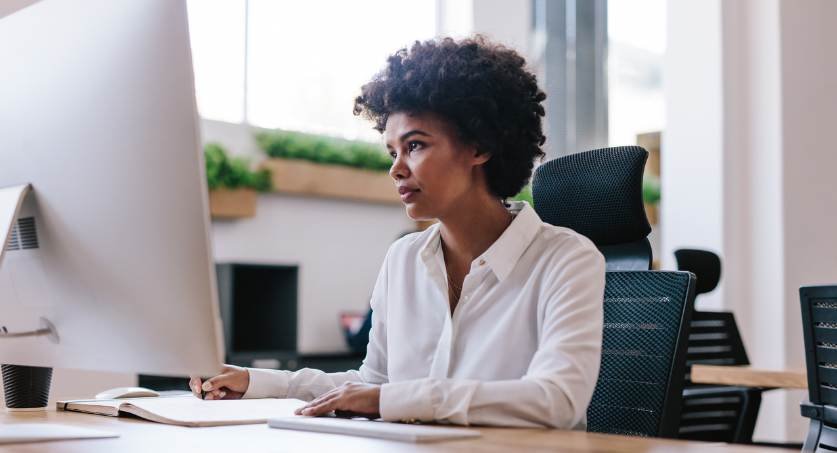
<point x="25" y="387"/>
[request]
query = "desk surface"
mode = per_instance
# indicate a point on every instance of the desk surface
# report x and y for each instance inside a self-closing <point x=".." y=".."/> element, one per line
<point x="746" y="376"/>
<point x="139" y="435"/>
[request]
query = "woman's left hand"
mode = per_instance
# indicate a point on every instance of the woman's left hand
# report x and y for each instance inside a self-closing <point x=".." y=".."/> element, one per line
<point x="356" y="398"/>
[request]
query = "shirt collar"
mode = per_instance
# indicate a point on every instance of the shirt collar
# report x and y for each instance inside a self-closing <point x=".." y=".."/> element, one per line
<point x="506" y="251"/>
<point x="502" y="256"/>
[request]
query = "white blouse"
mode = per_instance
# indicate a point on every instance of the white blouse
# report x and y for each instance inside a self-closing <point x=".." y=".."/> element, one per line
<point x="522" y="348"/>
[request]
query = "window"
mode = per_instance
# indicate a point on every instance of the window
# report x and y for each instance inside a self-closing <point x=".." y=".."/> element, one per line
<point x="636" y="45"/>
<point x="217" y="33"/>
<point x="305" y="61"/>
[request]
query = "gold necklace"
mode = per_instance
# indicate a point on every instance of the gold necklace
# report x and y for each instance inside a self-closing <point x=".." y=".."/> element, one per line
<point x="454" y="290"/>
<point x="452" y="284"/>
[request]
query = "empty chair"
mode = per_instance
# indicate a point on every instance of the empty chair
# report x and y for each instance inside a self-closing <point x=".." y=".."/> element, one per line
<point x="704" y="264"/>
<point x="714" y="412"/>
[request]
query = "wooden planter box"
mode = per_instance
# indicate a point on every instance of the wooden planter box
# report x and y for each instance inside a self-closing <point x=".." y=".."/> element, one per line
<point x="332" y="181"/>
<point x="232" y="204"/>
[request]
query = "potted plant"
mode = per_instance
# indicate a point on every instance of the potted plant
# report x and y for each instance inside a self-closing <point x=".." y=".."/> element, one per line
<point x="232" y="184"/>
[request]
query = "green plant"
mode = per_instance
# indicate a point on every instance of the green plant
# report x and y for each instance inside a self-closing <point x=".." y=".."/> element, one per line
<point x="232" y="173"/>
<point x="525" y="195"/>
<point x="650" y="189"/>
<point x="323" y="150"/>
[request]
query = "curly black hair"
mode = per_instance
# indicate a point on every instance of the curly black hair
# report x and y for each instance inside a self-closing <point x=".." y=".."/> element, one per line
<point x="483" y="88"/>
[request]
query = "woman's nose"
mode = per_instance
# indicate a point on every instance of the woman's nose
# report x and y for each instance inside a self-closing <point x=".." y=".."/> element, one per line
<point x="399" y="169"/>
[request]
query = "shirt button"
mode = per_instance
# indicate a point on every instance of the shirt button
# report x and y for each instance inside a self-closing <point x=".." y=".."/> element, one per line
<point x="482" y="262"/>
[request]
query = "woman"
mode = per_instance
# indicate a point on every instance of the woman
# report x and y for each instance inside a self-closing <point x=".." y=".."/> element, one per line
<point x="490" y="316"/>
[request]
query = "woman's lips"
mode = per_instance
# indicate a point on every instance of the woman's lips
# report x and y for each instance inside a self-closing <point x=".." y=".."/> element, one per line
<point x="407" y="193"/>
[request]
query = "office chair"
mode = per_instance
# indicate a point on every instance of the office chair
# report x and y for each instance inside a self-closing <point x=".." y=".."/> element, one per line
<point x="819" y="328"/>
<point x="715" y="413"/>
<point x="646" y="313"/>
<point x="646" y="318"/>
<point x="598" y="194"/>
<point x="704" y="264"/>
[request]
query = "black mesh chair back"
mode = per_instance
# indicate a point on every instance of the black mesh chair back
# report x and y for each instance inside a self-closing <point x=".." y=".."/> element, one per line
<point x="714" y="339"/>
<point x="598" y="194"/>
<point x="819" y="328"/>
<point x="646" y="318"/>
<point x="704" y="264"/>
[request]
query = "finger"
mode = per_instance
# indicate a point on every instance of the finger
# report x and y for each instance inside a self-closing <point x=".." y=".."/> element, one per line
<point x="232" y="395"/>
<point x="323" y="408"/>
<point x="195" y="385"/>
<point x="216" y="382"/>
<point x="217" y="394"/>
<point x="318" y="402"/>
<point x="327" y="395"/>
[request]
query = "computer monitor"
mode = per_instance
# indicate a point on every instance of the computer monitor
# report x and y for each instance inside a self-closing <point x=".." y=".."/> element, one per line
<point x="112" y="244"/>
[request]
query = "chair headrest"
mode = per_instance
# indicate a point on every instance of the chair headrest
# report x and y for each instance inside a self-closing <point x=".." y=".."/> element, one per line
<point x="597" y="193"/>
<point x="704" y="264"/>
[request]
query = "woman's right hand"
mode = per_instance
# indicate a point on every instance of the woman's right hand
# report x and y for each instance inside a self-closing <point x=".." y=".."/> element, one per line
<point x="230" y="384"/>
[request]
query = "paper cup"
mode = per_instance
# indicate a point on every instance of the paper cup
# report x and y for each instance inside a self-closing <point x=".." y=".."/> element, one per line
<point x="26" y="387"/>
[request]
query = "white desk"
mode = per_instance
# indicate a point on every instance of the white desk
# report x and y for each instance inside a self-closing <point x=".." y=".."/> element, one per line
<point x="141" y="436"/>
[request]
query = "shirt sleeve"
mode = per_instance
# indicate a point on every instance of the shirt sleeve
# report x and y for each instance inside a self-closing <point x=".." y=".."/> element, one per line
<point x="560" y="379"/>
<point x="307" y="384"/>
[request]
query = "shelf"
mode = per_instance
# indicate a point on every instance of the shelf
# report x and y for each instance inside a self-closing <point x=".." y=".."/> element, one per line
<point x="331" y="181"/>
<point x="232" y="204"/>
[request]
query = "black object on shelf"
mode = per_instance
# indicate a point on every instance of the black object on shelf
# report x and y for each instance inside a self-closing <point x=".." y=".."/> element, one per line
<point x="26" y="387"/>
<point x="258" y="307"/>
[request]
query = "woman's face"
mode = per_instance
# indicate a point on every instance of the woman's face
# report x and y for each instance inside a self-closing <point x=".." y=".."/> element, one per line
<point x="432" y="169"/>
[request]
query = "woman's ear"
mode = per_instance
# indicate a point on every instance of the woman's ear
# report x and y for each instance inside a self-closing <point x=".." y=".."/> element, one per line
<point x="479" y="157"/>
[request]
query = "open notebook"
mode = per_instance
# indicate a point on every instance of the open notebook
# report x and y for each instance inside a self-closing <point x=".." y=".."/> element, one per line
<point x="186" y="410"/>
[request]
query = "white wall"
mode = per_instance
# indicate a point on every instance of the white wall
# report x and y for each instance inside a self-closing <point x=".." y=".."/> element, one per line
<point x="809" y="160"/>
<point x="752" y="81"/>
<point x="338" y="245"/>
<point x="692" y="142"/>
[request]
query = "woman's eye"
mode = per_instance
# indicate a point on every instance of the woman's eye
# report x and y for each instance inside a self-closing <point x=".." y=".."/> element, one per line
<point x="412" y="146"/>
<point x="392" y="155"/>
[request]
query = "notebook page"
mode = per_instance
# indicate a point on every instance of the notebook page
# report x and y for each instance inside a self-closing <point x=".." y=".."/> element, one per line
<point x="191" y="411"/>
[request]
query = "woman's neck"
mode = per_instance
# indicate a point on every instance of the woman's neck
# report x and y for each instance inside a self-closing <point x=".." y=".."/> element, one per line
<point x="473" y="226"/>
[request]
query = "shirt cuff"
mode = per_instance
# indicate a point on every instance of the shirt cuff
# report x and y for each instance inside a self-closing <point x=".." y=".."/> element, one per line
<point x="267" y="383"/>
<point x="407" y="401"/>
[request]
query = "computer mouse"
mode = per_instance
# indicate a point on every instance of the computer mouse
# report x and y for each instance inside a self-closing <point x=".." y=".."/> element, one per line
<point x="126" y="392"/>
